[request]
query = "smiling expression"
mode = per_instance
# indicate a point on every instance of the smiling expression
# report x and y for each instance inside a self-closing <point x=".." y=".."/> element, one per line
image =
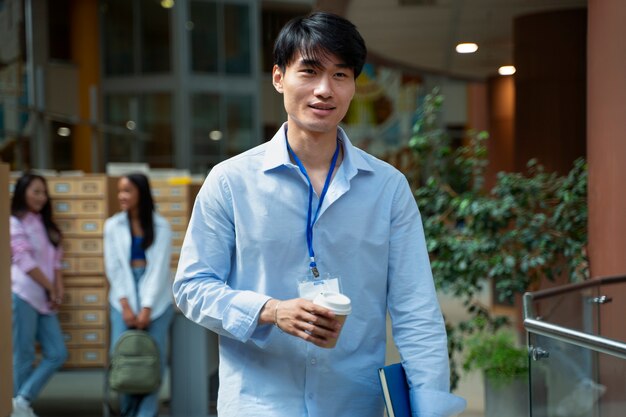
<point x="127" y="194"/>
<point x="36" y="195"/>
<point x="316" y="94"/>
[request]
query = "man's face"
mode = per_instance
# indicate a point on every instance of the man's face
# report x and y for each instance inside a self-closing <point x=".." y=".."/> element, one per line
<point x="316" y="94"/>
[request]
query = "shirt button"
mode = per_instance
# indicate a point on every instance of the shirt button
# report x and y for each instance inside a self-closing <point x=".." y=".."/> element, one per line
<point x="313" y="361"/>
<point x="310" y="396"/>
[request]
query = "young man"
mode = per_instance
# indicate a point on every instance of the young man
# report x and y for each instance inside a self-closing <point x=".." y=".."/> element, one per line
<point x="304" y="209"/>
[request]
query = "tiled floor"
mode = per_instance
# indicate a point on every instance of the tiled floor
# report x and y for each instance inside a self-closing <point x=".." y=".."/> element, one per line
<point x="80" y="393"/>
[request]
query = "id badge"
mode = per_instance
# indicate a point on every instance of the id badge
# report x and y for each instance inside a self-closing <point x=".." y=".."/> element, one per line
<point x="309" y="287"/>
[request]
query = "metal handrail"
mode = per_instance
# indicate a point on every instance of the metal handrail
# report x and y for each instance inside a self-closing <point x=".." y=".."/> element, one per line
<point x="574" y="337"/>
<point x="529" y="297"/>
<point x="597" y="343"/>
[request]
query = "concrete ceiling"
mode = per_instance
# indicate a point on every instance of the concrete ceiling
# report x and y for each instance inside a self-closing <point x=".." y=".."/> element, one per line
<point x="423" y="33"/>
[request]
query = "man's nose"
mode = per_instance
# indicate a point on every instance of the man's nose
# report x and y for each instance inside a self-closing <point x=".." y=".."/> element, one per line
<point x="324" y="87"/>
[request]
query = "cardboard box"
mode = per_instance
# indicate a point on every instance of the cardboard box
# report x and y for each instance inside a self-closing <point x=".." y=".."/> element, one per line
<point x="82" y="318"/>
<point x="83" y="246"/>
<point x="175" y="208"/>
<point x="80" y="357"/>
<point x="85" y="281"/>
<point x="73" y="208"/>
<point x="72" y="227"/>
<point x="76" y="297"/>
<point x="88" y="265"/>
<point x="85" y="337"/>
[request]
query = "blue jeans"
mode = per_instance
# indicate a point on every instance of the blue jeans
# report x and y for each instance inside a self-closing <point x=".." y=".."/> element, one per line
<point x="29" y="326"/>
<point x="159" y="330"/>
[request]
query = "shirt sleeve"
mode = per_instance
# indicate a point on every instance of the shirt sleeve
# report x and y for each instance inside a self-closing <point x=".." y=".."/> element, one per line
<point x="112" y="263"/>
<point x="417" y="322"/>
<point x="21" y="248"/>
<point x="58" y="257"/>
<point x="157" y="276"/>
<point x="201" y="289"/>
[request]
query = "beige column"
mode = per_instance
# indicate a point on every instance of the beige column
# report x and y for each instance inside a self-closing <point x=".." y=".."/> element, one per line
<point x="501" y="144"/>
<point x="606" y="155"/>
<point x="606" y="136"/>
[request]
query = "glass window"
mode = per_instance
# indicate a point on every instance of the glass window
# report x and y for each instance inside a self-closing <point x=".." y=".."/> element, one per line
<point x="140" y="129"/>
<point x="206" y="135"/>
<point x="204" y="36"/>
<point x="155" y="37"/>
<point x="156" y="121"/>
<point x="237" y="39"/>
<point x="118" y="139"/>
<point x="118" y="37"/>
<point x="239" y="124"/>
<point x="61" y="149"/>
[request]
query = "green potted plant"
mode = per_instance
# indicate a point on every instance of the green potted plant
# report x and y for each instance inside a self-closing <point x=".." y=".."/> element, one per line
<point x="526" y="227"/>
<point x="504" y="364"/>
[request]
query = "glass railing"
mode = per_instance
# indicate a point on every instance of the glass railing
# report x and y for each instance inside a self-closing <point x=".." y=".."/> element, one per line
<point x="576" y="336"/>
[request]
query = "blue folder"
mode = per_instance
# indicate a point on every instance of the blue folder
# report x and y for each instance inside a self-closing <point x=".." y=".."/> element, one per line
<point x="395" y="390"/>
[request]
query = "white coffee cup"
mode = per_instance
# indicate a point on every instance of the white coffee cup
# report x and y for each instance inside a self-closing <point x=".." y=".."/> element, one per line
<point x="338" y="304"/>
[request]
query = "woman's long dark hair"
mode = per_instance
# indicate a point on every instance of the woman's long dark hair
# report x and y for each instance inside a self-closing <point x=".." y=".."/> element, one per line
<point x="146" y="207"/>
<point x="19" y="207"/>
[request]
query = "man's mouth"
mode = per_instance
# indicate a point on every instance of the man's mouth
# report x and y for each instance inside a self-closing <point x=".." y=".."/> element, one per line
<point x="322" y="106"/>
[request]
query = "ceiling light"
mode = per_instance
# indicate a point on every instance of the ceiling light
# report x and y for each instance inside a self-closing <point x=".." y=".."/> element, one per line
<point x="215" y="135"/>
<point x="467" y="48"/>
<point x="64" y="131"/>
<point x="167" y="4"/>
<point x="506" y="70"/>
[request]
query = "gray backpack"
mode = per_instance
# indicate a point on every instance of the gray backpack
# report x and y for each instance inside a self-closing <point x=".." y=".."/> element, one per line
<point x="135" y="367"/>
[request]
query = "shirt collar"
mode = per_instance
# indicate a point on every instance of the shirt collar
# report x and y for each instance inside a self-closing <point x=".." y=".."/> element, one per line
<point x="31" y="216"/>
<point x="277" y="155"/>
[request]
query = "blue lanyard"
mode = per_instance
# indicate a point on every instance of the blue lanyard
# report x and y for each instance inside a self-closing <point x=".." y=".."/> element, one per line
<point x="310" y="222"/>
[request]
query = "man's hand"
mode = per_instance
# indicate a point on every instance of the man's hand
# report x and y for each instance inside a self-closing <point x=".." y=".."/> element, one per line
<point x="301" y="318"/>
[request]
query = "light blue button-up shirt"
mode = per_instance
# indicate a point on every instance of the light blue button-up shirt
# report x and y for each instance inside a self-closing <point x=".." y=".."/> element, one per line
<point x="246" y="243"/>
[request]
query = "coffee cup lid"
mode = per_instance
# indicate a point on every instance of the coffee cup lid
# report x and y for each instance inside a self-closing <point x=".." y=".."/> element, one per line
<point x="338" y="303"/>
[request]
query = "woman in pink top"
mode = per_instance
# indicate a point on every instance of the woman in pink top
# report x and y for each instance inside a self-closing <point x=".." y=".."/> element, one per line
<point x="37" y="288"/>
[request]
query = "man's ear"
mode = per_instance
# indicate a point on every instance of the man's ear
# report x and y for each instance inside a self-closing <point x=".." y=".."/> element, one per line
<point x="277" y="78"/>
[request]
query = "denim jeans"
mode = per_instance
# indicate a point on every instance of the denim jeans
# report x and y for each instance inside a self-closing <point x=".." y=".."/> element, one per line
<point x="159" y="330"/>
<point x="29" y="326"/>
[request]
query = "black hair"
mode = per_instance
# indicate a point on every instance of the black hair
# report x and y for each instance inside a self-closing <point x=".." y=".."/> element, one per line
<point x="19" y="207"/>
<point x="145" y="207"/>
<point x="318" y="35"/>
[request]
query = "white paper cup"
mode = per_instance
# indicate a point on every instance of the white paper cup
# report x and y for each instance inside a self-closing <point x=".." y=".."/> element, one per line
<point x="338" y="304"/>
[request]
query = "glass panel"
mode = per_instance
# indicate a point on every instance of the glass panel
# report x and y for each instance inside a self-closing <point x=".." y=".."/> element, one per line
<point x="567" y="383"/>
<point x="61" y="149"/>
<point x="118" y="142"/>
<point x="155" y="37"/>
<point x="613" y="311"/>
<point x="206" y="136"/>
<point x="239" y="124"/>
<point x="203" y="31"/>
<point x="237" y="39"/>
<point x="574" y="310"/>
<point x="118" y="37"/>
<point x="156" y="120"/>
<point x="611" y="371"/>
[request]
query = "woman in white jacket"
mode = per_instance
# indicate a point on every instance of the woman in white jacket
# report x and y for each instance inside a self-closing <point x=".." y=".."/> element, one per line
<point x="137" y="249"/>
